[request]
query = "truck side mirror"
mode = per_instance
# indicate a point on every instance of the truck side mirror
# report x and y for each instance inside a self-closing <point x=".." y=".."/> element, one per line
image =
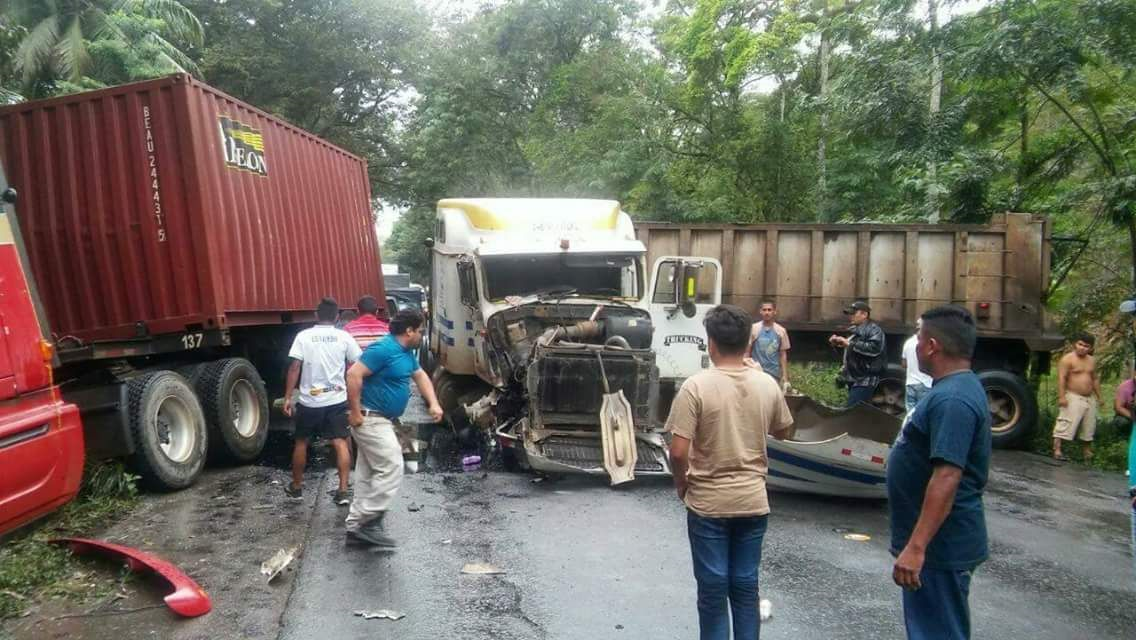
<point x="688" y="287"/>
<point x="9" y="196"/>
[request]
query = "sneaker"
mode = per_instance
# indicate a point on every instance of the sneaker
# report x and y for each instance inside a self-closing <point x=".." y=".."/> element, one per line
<point x="371" y="536"/>
<point x="293" y="492"/>
<point x="341" y="498"/>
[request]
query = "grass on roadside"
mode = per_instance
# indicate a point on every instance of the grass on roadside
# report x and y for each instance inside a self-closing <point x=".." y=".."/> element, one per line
<point x="1110" y="447"/>
<point x="31" y="569"/>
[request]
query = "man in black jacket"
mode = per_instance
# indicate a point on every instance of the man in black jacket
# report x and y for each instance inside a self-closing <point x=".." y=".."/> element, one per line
<point x="865" y="356"/>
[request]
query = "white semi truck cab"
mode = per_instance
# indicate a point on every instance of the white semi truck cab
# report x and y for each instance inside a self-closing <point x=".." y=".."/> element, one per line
<point x="548" y="331"/>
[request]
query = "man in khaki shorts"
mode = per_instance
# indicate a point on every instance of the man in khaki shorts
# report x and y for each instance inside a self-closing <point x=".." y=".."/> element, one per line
<point x="1078" y="394"/>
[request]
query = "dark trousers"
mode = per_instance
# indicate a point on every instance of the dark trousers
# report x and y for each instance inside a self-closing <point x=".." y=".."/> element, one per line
<point x="856" y="395"/>
<point x="939" y="609"/>
<point x="727" y="555"/>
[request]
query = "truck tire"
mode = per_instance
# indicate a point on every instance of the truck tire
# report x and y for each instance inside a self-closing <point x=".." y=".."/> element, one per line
<point x="191" y="372"/>
<point x="1013" y="407"/>
<point x="891" y="391"/>
<point x="235" y="402"/>
<point x="168" y="428"/>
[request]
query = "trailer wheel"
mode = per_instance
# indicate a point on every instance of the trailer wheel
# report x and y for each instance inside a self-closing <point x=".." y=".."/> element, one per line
<point x="891" y="391"/>
<point x="235" y="402"/>
<point x="168" y="428"/>
<point x="1013" y="407"/>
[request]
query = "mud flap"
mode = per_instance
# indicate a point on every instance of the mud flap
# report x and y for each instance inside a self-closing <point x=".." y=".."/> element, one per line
<point x="619" y="447"/>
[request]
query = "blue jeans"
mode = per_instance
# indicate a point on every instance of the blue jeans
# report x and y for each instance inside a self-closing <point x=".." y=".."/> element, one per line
<point x="914" y="394"/>
<point x="856" y="395"/>
<point x="727" y="555"/>
<point x="939" y="609"/>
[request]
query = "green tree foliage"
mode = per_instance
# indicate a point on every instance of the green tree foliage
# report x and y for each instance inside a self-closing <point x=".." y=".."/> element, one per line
<point x="341" y="69"/>
<point x="66" y="44"/>
<point x="713" y="110"/>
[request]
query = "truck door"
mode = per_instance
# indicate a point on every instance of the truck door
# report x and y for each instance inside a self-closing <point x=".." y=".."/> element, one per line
<point x="682" y="290"/>
<point x="8" y="387"/>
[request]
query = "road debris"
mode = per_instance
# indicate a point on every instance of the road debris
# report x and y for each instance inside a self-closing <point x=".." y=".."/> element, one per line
<point x="380" y="614"/>
<point x="188" y="599"/>
<point x="765" y="609"/>
<point x="447" y="541"/>
<point x="413" y="507"/>
<point x="857" y="537"/>
<point x="278" y="562"/>
<point x="481" y="569"/>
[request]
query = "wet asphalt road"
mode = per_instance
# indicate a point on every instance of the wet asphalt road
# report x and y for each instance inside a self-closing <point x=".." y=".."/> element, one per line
<point x="585" y="561"/>
<point x="582" y="560"/>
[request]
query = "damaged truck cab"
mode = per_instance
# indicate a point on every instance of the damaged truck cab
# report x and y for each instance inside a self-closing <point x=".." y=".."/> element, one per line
<point x="541" y="329"/>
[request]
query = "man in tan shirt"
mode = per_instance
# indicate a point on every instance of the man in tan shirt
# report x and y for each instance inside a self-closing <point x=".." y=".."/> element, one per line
<point x="718" y="422"/>
<point x="1078" y="394"/>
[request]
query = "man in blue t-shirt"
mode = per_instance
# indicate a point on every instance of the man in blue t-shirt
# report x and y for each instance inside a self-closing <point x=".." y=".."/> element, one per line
<point x="935" y="477"/>
<point x="378" y="390"/>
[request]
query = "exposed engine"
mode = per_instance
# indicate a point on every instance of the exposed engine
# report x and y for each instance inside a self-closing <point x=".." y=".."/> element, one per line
<point x="554" y="360"/>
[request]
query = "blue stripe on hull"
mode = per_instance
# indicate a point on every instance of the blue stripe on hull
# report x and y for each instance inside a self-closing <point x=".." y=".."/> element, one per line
<point x="826" y="469"/>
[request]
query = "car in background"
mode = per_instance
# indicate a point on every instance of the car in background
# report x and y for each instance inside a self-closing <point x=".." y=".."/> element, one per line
<point x="412" y="297"/>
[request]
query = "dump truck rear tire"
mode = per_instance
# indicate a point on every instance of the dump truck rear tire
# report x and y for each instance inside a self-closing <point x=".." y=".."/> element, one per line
<point x="1013" y="407"/>
<point x="168" y="427"/>
<point x="235" y="403"/>
<point x="891" y="390"/>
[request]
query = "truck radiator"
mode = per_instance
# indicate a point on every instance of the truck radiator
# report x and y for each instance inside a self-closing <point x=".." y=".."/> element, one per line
<point x="588" y="454"/>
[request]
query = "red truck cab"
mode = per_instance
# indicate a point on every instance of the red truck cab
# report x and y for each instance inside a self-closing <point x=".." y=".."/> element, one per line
<point x="41" y="436"/>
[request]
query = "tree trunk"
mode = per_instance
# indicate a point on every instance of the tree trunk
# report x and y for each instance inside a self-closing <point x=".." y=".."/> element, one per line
<point x="1023" y="149"/>
<point x="1132" y="243"/>
<point x="821" y="143"/>
<point x="784" y="90"/>
<point x="933" y="205"/>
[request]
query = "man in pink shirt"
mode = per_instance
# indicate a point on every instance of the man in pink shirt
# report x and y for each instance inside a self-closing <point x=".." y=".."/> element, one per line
<point x="368" y="327"/>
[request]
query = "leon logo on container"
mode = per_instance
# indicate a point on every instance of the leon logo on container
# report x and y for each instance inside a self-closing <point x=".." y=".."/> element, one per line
<point x="243" y="146"/>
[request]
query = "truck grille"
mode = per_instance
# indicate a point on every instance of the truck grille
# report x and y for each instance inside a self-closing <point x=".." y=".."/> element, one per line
<point x="588" y="454"/>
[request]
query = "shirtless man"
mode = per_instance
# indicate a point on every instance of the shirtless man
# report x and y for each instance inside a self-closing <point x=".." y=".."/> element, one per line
<point x="1078" y="394"/>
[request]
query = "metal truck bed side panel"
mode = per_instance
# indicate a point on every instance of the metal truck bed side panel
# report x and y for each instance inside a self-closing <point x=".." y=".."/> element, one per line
<point x="999" y="271"/>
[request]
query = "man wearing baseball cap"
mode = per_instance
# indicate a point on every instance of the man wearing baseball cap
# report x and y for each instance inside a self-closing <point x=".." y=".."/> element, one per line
<point x="865" y="357"/>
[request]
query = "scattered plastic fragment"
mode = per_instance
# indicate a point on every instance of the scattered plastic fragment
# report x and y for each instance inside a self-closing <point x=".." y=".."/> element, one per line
<point x="857" y="537"/>
<point x="765" y="609"/>
<point x="413" y="507"/>
<point x="279" y="561"/>
<point x="188" y="598"/>
<point x="481" y="569"/>
<point x="381" y="614"/>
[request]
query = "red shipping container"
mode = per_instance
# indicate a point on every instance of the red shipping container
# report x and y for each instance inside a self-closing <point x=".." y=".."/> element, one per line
<point x="167" y="206"/>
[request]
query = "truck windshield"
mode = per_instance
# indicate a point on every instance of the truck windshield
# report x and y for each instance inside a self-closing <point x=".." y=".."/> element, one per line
<point x="605" y="276"/>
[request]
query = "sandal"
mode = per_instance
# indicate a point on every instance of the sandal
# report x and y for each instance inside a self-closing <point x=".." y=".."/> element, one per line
<point x="1060" y="457"/>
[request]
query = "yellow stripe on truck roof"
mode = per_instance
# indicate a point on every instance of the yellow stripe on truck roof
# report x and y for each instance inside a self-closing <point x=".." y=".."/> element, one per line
<point x="503" y="214"/>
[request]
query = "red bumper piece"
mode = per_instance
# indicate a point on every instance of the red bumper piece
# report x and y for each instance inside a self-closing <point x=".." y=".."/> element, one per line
<point x="188" y="599"/>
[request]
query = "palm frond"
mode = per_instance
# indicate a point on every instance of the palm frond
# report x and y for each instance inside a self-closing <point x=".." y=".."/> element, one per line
<point x="37" y="50"/>
<point x="71" y="51"/>
<point x="172" y="55"/>
<point x="183" y="26"/>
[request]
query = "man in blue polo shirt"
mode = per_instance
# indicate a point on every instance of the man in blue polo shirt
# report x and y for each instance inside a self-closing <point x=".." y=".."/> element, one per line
<point x="935" y="477"/>
<point x="378" y="390"/>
